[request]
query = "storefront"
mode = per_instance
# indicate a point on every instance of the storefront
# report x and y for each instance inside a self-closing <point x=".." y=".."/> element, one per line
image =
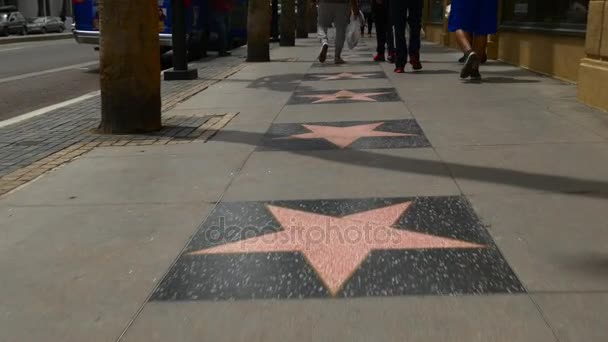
<point x="546" y="36"/>
<point x="567" y="39"/>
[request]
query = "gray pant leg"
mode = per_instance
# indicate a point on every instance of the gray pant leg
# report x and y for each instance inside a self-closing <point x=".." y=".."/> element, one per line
<point x="324" y="19"/>
<point x="341" y="20"/>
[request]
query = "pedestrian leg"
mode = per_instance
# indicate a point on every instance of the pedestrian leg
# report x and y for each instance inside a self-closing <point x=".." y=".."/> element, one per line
<point x="398" y="16"/>
<point x="324" y="18"/>
<point x="414" y="21"/>
<point x="341" y="19"/>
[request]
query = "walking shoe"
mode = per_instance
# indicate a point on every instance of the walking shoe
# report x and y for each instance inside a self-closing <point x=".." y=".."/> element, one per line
<point x="399" y="70"/>
<point x="339" y="60"/>
<point x="379" y="58"/>
<point x="391" y="57"/>
<point x="484" y="59"/>
<point x="475" y="75"/>
<point x="415" y="62"/>
<point x="471" y="63"/>
<point x="323" y="53"/>
<point x="224" y="54"/>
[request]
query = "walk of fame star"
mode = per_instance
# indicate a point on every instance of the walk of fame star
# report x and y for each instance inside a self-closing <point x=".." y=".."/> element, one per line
<point x="339" y="248"/>
<point x="345" y="136"/>
<point x="344" y="76"/>
<point x="353" y="135"/>
<point x="336" y="246"/>
<point x="343" y="95"/>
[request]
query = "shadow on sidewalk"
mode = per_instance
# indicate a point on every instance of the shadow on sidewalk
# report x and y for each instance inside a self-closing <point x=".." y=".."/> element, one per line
<point x="520" y="179"/>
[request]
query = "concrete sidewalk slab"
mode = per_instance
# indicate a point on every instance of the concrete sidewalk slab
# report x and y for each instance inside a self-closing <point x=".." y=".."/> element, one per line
<point x="309" y="174"/>
<point x="81" y="273"/>
<point x="576" y="317"/>
<point x="529" y="168"/>
<point x="550" y="240"/>
<point x="122" y="177"/>
<point x="344" y="112"/>
<point x="465" y="319"/>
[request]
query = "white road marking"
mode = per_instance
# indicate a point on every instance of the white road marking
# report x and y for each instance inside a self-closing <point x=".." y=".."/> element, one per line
<point x="44" y="72"/>
<point x="47" y="109"/>
<point x="12" y="49"/>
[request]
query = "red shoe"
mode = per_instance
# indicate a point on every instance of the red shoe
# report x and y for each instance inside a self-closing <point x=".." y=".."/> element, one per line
<point x="415" y="62"/>
<point x="399" y="70"/>
<point x="379" y="58"/>
<point x="391" y="57"/>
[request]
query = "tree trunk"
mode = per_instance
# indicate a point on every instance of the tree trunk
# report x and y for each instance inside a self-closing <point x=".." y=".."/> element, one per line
<point x="288" y="23"/>
<point x="312" y="18"/>
<point x="258" y="31"/>
<point x="129" y="66"/>
<point x="47" y="5"/>
<point x="302" y="23"/>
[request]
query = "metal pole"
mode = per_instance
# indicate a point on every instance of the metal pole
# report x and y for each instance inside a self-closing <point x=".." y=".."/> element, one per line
<point x="180" y="69"/>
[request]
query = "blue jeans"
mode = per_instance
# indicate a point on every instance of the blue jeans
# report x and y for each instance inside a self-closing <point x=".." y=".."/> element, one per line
<point x="221" y="25"/>
<point x="406" y="12"/>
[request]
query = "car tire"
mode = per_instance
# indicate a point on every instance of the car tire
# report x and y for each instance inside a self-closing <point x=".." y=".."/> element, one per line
<point x="61" y="29"/>
<point x="23" y="31"/>
<point x="43" y="31"/>
<point x="5" y="31"/>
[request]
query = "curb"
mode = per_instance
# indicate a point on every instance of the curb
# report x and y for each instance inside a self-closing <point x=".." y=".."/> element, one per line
<point x="35" y="38"/>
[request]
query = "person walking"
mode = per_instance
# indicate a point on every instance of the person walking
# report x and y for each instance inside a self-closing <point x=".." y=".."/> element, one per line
<point x="384" y="31"/>
<point x="220" y="12"/>
<point x="336" y="12"/>
<point x="473" y="21"/>
<point x="366" y="8"/>
<point x="407" y="13"/>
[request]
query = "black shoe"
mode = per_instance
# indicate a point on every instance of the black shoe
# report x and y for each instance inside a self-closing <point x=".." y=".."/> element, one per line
<point x="462" y="59"/>
<point x="471" y="63"/>
<point x="323" y="53"/>
<point x="475" y="75"/>
<point x="224" y="54"/>
<point x="484" y="59"/>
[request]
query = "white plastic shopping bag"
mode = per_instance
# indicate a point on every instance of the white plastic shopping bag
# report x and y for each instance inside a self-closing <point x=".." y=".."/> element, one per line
<point x="353" y="30"/>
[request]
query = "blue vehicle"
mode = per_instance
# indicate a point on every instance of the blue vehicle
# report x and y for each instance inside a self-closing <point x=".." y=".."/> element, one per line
<point x="86" y="29"/>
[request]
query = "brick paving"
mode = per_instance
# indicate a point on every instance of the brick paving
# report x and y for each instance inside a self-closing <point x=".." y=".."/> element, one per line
<point x="32" y="147"/>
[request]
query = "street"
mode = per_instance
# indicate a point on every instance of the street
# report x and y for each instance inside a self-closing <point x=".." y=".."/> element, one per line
<point x="38" y="74"/>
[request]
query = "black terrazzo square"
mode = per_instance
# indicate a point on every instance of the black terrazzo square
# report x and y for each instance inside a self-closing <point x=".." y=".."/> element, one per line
<point x="345" y="76"/>
<point x="339" y="248"/>
<point x="344" y="96"/>
<point x="355" y="135"/>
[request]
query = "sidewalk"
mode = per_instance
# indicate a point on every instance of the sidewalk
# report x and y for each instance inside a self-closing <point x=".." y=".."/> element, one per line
<point x="341" y="203"/>
<point x="35" y="38"/>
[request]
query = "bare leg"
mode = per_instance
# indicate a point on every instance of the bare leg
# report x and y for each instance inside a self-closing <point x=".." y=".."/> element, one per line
<point x="464" y="40"/>
<point x="479" y="45"/>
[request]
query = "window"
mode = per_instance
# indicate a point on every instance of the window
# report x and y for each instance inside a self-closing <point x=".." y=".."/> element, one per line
<point x="436" y="11"/>
<point x="559" y="15"/>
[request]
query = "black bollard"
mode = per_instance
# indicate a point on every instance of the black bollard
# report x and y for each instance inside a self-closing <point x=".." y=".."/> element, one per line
<point x="180" y="69"/>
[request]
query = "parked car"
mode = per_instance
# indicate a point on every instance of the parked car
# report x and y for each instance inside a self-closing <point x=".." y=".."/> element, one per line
<point x="11" y="21"/>
<point x="45" y="24"/>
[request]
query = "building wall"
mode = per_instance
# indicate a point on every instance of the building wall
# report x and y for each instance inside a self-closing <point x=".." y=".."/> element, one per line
<point x="29" y="8"/>
<point x="434" y="32"/>
<point x="549" y="54"/>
